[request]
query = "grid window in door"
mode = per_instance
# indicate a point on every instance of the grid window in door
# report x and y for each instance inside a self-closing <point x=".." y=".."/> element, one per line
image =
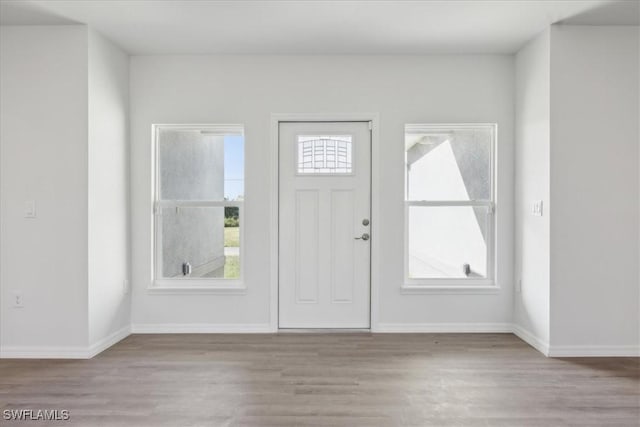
<point x="324" y="154"/>
<point x="449" y="203"/>
<point x="199" y="199"/>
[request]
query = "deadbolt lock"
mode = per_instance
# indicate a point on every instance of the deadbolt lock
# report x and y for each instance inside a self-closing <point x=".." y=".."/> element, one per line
<point x="365" y="221"/>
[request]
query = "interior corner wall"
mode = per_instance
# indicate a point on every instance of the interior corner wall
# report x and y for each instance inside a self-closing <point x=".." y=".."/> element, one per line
<point x="532" y="168"/>
<point x="43" y="143"/>
<point x="108" y="194"/>
<point x="594" y="189"/>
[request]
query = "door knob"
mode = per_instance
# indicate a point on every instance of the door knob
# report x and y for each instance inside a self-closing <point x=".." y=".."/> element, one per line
<point x="365" y="236"/>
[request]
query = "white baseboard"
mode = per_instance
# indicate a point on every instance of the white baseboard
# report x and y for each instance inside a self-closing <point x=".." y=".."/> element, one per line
<point x="201" y="328"/>
<point x="75" y="352"/>
<point x="108" y="341"/>
<point x="575" y="350"/>
<point x="43" y="352"/>
<point x="594" y="351"/>
<point x="443" y="327"/>
<point x="531" y="339"/>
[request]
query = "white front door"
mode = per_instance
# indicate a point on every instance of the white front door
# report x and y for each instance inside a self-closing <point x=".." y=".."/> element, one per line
<point x="325" y="207"/>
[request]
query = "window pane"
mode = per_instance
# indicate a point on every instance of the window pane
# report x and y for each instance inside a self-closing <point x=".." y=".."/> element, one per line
<point x="200" y="165"/>
<point x="449" y="164"/>
<point x="324" y="154"/>
<point x="444" y="240"/>
<point x="200" y="242"/>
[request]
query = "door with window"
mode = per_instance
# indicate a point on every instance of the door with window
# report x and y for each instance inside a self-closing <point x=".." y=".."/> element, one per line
<point x="324" y="229"/>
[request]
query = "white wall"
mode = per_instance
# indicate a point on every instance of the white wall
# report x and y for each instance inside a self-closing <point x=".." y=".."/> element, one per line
<point x="247" y="89"/>
<point x="594" y="187"/>
<point x="43" y="142"/>
<point x="63" y="121"/>
<point x="532" y="168"/>
<point x="108" y="169"/>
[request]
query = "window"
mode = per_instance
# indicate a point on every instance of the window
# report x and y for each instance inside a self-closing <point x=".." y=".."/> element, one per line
<point x="324" y="154"/>
<point x="199" y="196"/>
<point x="449" y="204"/>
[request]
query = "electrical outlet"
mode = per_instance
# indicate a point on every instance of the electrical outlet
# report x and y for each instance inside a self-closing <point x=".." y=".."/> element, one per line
<point x="30" y="209"/>
<point x="18" y="301"/>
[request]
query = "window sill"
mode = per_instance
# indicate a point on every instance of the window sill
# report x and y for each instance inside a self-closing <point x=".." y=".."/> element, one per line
<point x="195" y="286"/>
<point x="483" y="287"/>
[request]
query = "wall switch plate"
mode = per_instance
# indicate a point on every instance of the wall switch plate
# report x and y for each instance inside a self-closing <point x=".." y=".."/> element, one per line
<point x="125" y="286"/>
<point x="519" y="286"/>
<point x="537" y="208"/>
<point x="30" y="209"/>
<point x="17" y="301"/>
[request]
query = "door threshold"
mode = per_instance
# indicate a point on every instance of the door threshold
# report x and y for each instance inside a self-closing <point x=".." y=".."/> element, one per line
<point x="323" y="330"/>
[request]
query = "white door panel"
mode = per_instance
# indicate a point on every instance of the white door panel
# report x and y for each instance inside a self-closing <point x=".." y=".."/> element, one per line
<point x="325" y="185"/>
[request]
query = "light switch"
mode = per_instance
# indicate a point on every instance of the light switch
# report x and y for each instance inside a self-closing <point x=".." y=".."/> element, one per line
<point x="30" y="209"/>
<point x="537" y="208"/>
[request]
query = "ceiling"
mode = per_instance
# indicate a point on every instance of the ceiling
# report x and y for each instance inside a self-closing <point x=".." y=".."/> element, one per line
<point x="321" y="26"/>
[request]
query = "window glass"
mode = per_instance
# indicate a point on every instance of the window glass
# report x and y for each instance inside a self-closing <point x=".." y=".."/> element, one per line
<point x="449" y="201"/>
<point x="449" y="164"/>
<point x="200" y="194"/>
<point x="200" y="165"/>
<point x="324" y="154"/>
<point x="447" y="242"/>
<point x="196" y="242"/>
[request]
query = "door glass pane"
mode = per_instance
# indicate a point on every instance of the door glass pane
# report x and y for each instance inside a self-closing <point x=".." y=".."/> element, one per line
<point x="324" y="154"/>
<point x="449" y="164"/>
<point x="447" y="242"/>
<point x="200" y="242"/>
<point x="199" y="165"/>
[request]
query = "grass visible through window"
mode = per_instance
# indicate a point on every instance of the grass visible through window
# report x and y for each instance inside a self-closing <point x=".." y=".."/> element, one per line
<point x="231" y="237"/>
<point x="232" y="252"/>
<point x="232" y="267"/>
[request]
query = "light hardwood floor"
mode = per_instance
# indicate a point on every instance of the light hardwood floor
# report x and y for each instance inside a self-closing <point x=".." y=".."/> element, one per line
<point x="343" y="379"/>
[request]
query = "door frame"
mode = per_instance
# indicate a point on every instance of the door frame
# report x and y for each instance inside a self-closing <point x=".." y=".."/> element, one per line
<point x="374" y="276"/>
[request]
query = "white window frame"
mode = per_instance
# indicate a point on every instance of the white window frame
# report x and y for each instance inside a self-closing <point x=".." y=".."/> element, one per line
<point x="191" y="284"/>
<point x="454" y="285"/>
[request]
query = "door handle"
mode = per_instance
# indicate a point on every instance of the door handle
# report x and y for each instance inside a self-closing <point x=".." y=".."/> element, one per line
<point x="365" y="236"/>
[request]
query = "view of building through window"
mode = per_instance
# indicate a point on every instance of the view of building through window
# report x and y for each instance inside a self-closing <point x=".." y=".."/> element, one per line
<point x="449" y="200"/>
<point x="200" y="180"/>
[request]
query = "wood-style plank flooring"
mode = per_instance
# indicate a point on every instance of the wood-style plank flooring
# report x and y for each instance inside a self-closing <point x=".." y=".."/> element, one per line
<point x="341" y="379"/>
